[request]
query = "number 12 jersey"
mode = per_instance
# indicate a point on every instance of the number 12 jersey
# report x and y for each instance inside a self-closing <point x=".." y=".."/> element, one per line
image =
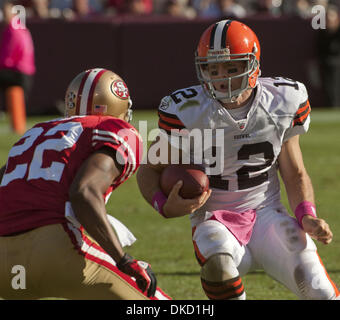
<point x="248" y="149"/>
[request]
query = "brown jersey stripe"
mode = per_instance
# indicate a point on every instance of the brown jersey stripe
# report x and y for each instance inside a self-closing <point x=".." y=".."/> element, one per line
<point x="171" y="120"/>
<point x="302" y="108"/>
<point x="164" y="127"/>
<point x="303" y="113"/>
<point x="168" y="115"/>
<point x="168" y="127"/>
<point x="171" y="125"/>
<point x="302" y="118"/>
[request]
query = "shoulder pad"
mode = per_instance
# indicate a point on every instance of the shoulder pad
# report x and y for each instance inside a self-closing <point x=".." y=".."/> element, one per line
<point x="293" y="94"/>
<point x="177" y="100"/>
<point x="172" y="109"/>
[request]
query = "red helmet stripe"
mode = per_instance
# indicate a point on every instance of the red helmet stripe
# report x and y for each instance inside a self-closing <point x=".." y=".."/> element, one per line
<point x="93" y="86"/>
<point x="80" y="90"/>
<point x="85" y="93"/>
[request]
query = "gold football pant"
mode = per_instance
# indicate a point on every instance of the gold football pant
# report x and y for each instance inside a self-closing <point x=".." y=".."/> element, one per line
<point x="59" y="260"/>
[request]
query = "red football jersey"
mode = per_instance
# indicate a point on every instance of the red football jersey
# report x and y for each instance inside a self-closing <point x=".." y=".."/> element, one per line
<point x="43" y="163"/>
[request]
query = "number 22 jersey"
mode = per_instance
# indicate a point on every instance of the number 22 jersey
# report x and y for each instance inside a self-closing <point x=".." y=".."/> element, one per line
<point x="248" y="148"/>
<point x="43" y="163"/>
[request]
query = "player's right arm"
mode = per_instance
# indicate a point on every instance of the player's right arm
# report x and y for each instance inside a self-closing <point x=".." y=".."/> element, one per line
<point x="148" y="177"/>
<point x="169" y="152"/>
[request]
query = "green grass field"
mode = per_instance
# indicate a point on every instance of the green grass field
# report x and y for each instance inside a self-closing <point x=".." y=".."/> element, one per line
<point x="166" y="244"/>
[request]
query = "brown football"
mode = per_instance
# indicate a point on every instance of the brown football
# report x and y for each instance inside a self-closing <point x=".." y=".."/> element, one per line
<point x="195" y="181"/>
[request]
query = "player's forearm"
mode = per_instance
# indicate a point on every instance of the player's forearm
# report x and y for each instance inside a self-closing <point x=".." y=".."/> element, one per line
<point x="299" y="188"/>
<point x="89" y="208"/>
<point x="294" y="175"/>
<point x="148" y="181"/>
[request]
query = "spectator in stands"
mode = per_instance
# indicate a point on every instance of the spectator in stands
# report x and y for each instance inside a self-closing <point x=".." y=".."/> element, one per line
<point x="81" y="8"/>
<point x="35" y="8"/>
<point x="134" y="7"/>
<point x="179" y="8"/>
<point x="70" y="9"/>
<point x="17" y="65"/>
<point x="303" y="9"/>
<point x="173" y="8"/>
<point x="269" y="7"/>
<point x="207" y="8"/>
<point x="229" y="8"/>
<point x="329" y="56"/>
<point x="61" y="9"/>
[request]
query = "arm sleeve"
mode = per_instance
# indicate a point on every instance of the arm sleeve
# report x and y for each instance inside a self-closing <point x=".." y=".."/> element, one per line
<point x="171" y="127"/>
<point x="301" y="119"/>
<point x="124" y="140"/>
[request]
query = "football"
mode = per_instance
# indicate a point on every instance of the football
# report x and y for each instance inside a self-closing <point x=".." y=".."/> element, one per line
<point x="195" y="181"/>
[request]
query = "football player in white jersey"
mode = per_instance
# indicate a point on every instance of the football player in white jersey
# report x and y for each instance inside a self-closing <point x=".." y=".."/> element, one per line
<point x="240" y="224"/>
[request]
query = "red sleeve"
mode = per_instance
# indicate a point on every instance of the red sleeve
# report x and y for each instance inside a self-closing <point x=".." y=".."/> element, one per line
<point x="124" y="139"/>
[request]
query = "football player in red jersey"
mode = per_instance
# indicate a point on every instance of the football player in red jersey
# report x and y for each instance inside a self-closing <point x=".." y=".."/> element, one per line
<point x="54" y="187"/>
<point x="243" y="225"/>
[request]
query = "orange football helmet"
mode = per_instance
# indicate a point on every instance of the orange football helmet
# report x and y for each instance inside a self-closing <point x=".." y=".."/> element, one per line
<point x="98" y="92"/>
<point x="224" y="41"/>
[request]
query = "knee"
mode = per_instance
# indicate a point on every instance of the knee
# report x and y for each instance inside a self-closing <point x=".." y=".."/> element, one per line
<point x="313" y="283"/>
<point x="219" y="267"/>
<point x="220" y="278"/>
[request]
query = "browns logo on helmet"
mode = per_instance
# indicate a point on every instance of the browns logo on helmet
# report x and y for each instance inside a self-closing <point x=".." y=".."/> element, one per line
<point x="227" y="41"/>
<point x="98" y="92"/>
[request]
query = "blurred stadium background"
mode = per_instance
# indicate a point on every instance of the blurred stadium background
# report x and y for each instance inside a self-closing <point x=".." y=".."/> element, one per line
<point x="151" y="45"/>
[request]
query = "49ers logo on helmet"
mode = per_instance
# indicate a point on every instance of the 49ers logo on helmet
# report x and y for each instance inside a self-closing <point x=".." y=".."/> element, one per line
<point x="120" y="89"/>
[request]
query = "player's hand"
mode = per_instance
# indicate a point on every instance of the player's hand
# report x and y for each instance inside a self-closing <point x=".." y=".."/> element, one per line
<point x="176" y="206"/>
<point x="317" y="228"/>
<point x="141" y="271"/>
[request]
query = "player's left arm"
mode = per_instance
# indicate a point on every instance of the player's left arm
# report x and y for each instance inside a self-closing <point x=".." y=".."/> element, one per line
<point x="299" y="188"/>
<point x="93" y="178"/>
<point x="96" y="174"/>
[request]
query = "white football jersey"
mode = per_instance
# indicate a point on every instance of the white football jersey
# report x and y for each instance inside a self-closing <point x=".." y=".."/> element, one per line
<point x="241" y="157"/>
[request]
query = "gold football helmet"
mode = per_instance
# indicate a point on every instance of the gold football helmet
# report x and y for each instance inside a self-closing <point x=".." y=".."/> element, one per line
<point x="98" y="92"/>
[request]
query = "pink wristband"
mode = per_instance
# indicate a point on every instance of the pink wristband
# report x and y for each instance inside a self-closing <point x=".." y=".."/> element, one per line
<point x="304" y="208"/>
<point x="158" y="201"/>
